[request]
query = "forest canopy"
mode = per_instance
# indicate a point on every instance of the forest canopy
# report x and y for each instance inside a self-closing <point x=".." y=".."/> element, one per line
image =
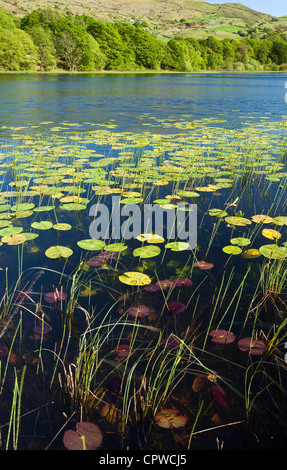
<point x="48" y="40"/>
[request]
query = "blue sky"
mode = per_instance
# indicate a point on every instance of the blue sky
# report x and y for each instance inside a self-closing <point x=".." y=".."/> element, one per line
<point x="272" y="7"/>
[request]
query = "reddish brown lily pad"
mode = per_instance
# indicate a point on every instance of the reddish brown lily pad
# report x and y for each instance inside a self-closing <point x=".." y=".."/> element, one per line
<point x="222" y="336"/>
<point x="170" y="418"/>
<point x="175" y="307"/>
<point x="140" y="311"/>
<point x="88" y="436"/>
<point x="123" y="350"/>
<point x="253" y="346"/>
<point x="182" y="281"/>
<point x="203" y="265"/>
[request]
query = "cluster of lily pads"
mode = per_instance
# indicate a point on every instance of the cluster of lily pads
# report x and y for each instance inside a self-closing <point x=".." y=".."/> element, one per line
<point x="237" y="179"/>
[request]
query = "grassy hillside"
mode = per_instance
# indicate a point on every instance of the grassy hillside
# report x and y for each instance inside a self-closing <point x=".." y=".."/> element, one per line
<point x="193" y="18"/>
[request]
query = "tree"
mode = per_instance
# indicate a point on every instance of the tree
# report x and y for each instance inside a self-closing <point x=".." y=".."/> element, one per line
<point x="17" y="50"/>
<point x="42" y="38"/>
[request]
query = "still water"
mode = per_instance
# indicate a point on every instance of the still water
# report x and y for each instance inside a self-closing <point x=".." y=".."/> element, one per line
<point x="30" y="99"/>
<point x="145" y="119"/>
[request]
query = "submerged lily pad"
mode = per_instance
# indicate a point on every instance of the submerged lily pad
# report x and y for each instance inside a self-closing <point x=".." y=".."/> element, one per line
<point x="253" y="346"/>
<point x="170" y="418"/>
<point x="251" y="253"/>
<point x="88" y="436"/>
<point x="140" y="311"/>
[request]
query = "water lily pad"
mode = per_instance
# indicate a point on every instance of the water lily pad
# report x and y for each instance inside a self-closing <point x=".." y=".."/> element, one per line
<point x="253" y="346"/>
<point x="23" y="207"/>
<point x="116" y="247"/>
<point x="271" y="234"/>
<point x="251" y="253"/>
<point x="88" y="436"/>
<point x="62" y="226"/>
<point x="262" y="219"/>
<point x="203" y="265"/>
<point x="182" y="281"/>
<point x="222" y="336"/>
<point x="147" y="251"/>
<point x="73" y="206"/>
<point x="217" y="213"/>
<point x="10" y="231"/>
<point x="175" y="307"/>
<point x="273" y="251"/>
<point x="169" y="418"/>
<point x="43" y="225"/>
<point x="178" y="246"/>
<point x="134" y="278"/>
<point x="240" y="241"/>
<point x="58" y="251"/>
<point x="150" y="238"/>
<point x="236" y="220"/>
<point x="55" y="296"/>
<point x="232" y="250"/>
<point x="280" y="220"/>
<point x="140" y="311"/>
<point x="44" y="208"/>
<point x="91" y="244"/>
<point x="15" y="239"/>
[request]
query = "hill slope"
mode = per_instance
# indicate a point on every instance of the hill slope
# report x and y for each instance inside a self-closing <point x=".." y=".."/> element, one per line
<point x="196" y="18"/>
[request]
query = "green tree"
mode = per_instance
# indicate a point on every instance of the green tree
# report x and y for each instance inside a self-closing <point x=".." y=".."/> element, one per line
<point x="42" y="38"/>
<point x="17" y="50"/>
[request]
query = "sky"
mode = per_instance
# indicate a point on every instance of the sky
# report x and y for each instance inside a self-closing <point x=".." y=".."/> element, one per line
<point x="272" y="7"/>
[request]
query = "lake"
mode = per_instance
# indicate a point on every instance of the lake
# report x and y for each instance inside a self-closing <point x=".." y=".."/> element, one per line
<point x="30" y="99"/>
<point x="123" y="332"/>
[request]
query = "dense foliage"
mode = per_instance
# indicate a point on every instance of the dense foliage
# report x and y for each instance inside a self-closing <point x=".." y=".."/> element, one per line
<point x="48" y="40"/>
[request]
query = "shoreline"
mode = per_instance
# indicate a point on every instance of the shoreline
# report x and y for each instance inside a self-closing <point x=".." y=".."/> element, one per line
<point x="138" y="72"/>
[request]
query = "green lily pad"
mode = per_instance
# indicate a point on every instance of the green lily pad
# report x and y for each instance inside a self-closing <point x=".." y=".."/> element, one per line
<point x="10" y="231"/>
<point x="30" y="235"/>
<point x="5" y="207"/>
<point x="58" y="251"/>
<point x="232" y="250"/>
<point x="23" y="207"/>
<point x="217" y="213"/>
<point x="240" y="241"/>
<point x="62" y="226"/>
<point x="43" y="225"/>
<point x="44" y="208"/>
<point x="236" y="220"/>
<point x="73" y="206"/>
<point x="116" y="247"/>
<point x="177" y="246"/>
<point x="147" y="251"/>
<point x="273" y="251"/>
<point x="280" y="220"/>
<point x="91" y="244"/>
